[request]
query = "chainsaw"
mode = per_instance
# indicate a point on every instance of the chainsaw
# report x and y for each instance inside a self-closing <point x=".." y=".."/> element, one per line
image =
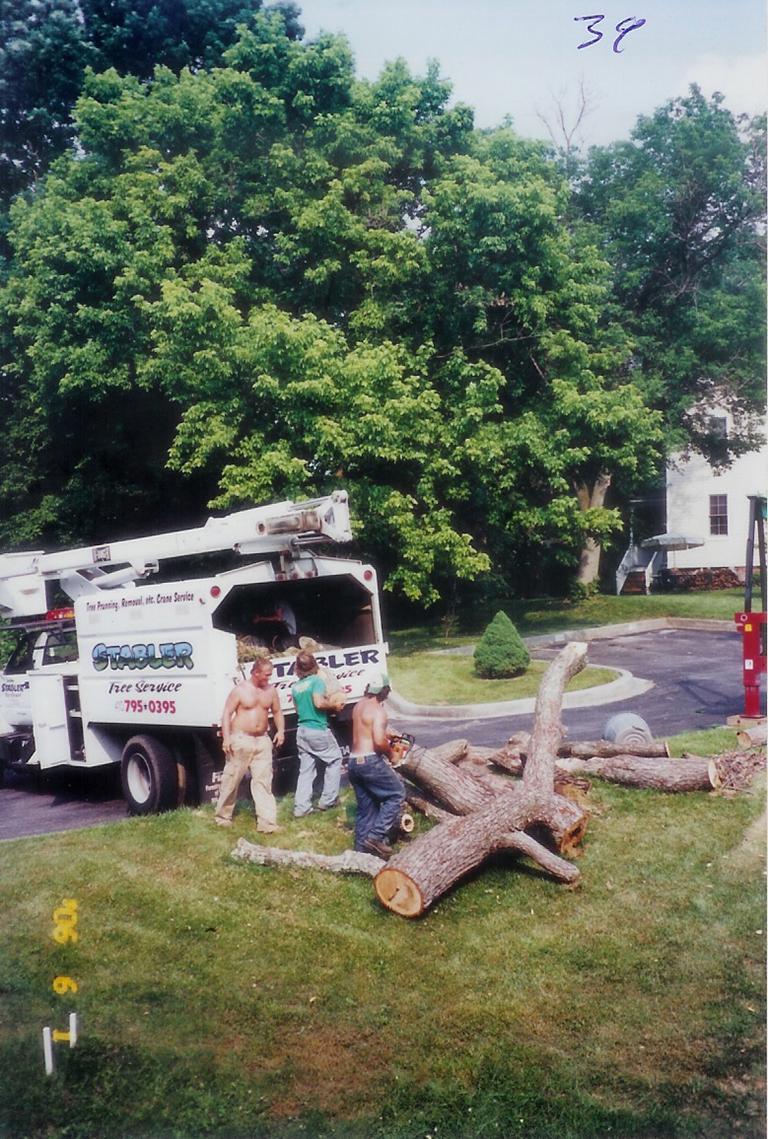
<point x="401" y="748"/>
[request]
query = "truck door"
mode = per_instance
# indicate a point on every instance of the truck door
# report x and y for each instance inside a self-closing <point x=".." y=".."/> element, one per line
<point x="53" y="711"/>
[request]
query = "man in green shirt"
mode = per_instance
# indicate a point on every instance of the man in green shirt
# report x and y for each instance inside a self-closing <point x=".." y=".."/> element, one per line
<point x="315" y="741"/>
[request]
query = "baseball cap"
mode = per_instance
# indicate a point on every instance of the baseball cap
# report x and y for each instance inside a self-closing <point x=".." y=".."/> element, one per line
<point x="378" y="681"/>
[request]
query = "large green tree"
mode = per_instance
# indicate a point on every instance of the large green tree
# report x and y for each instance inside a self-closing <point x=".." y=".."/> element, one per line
<point x="143" y="273"/>
<point x="515" y="286"/>
<point x="680" y="211"/>
<point x="266" y="277"/>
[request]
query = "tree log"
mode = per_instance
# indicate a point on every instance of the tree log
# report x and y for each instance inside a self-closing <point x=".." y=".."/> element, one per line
<point x="450" y="752"/>
<point x="421" y="873"/>
<point x="479" y="756"/>
<point x="752" y="737"/>
<point x="694" y="773"/>
<point x="350" y="862"/>
<point x="461" y="792"/>
<point x="512" y="757"/>
<point x="510" y="761"/>
<point x="454" y="789"/>
<point x="608" y="748"/>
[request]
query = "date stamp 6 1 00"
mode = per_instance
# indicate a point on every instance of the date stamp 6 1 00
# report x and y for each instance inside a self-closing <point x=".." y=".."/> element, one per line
<point x="64" y="931"/>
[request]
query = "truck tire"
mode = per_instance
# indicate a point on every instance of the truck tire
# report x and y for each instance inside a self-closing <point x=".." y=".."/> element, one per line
<point x="149" y="776"/>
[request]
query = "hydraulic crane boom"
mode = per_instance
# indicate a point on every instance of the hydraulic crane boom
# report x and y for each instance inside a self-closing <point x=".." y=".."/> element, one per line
<point x="281" y="527"/>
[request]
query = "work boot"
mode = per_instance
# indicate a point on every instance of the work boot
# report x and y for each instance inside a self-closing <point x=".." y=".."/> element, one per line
<point x="378" y="847"/>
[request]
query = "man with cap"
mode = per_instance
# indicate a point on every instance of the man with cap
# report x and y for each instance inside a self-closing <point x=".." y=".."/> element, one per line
<point x="378" y="790"/>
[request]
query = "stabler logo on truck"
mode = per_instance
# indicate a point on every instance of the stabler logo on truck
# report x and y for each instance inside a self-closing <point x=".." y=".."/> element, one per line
<point x="336" y="660"/>
<point x="176" y="654"/>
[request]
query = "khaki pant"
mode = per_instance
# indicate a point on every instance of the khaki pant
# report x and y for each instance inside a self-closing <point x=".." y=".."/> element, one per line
<point x="254" y="754"/>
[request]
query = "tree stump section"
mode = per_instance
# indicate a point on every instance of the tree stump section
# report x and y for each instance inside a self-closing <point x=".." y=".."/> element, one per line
<point x="420" y="874"/>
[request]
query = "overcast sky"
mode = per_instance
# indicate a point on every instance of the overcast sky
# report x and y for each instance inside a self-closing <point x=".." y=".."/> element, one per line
<point x="515" y="57"/>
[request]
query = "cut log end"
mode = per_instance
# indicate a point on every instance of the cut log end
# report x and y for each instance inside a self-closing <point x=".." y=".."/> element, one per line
<point x="570" y="843"/>
<point x="398" y="892"/>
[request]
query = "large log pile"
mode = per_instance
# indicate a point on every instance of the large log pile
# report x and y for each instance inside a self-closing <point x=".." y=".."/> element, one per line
<point x="491" y="820"/>
<point x="527" y="797"/>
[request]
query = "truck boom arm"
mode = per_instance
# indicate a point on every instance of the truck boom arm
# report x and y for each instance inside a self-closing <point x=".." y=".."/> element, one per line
<point x="278" y="528"/>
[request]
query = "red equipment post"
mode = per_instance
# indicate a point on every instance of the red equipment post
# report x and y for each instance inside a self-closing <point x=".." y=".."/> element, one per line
<point x="752" y="628"/>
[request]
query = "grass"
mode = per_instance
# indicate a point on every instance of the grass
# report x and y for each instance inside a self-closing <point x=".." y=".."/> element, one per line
<point x="232" y="1001"/>
<point x="549" y="615"/>
<point x="448" y="678"/>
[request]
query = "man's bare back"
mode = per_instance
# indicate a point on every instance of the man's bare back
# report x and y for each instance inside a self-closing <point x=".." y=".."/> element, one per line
<point x="369" y="727"/>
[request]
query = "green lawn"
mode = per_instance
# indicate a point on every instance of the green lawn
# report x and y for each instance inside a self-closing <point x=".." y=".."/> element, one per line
<point x="221" y="999"/>
<point x="447" y="678"/>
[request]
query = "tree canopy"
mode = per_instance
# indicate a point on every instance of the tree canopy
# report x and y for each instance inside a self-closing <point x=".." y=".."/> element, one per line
<point x="681" y="207"/>
<point x="256" y="277"/>
<point x="46" y="46"/>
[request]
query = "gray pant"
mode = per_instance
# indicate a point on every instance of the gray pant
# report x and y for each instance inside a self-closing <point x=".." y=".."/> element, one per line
<point x="317" y="745"/>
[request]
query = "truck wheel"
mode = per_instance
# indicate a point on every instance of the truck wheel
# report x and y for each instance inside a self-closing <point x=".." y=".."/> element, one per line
<point x="149" y="776"/>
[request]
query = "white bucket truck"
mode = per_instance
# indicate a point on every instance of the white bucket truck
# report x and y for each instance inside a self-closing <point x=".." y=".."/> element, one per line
<point x="137" y="674"/>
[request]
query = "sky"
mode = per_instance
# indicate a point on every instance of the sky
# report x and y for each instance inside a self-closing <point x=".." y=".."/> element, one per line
<point x="521" y="58"/>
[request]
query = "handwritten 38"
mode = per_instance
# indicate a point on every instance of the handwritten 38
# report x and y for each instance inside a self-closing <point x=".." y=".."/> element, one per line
<point x="624" y="27"/>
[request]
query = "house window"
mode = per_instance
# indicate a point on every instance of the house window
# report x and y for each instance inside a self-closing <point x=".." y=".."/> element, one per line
<point x="718" y="513"/>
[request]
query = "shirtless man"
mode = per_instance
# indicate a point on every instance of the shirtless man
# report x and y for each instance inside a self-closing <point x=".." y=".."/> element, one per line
<point x="247" y="746"/>
<point x="378" y="790"/>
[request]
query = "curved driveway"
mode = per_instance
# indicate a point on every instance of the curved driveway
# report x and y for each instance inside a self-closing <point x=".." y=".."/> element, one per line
<point x="697" y="683"/>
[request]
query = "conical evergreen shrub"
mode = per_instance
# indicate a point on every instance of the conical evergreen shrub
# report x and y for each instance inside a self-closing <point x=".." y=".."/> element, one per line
<point x="500" y="652"/>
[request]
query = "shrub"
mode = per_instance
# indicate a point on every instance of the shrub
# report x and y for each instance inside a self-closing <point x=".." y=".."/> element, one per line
<point x="500" y="652"/>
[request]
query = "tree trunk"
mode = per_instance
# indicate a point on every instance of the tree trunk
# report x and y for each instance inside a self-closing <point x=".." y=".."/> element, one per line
<point x="421" y="873"/>
<point x="589" y="499"/>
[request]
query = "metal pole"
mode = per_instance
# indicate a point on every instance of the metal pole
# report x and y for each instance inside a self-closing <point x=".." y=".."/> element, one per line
<point x="750" y="555"/>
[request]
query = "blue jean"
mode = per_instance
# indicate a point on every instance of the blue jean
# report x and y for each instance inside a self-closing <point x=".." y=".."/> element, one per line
<point x="380" y="796"/>
<point x="317" y="745"/>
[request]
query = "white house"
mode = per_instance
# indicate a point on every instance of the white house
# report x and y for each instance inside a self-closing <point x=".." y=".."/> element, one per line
<point x="714" y="506"/>
<point x="707" y="520"/>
